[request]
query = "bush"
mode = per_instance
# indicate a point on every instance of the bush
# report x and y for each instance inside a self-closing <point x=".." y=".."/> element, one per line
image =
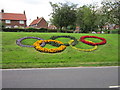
<point x="68" y="31"/>
<point x="23" y="30"/>
<point x="12" y="30"/>
<point x="52" y="30"/>
<point x="35" y="30"/>
<point x="115" y="31"/>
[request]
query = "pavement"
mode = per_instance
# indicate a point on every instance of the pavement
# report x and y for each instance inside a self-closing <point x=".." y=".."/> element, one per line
<point x="76" y="77"/>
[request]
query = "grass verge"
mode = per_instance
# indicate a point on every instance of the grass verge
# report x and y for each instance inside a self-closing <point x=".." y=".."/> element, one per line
<point x="14" y="56"/>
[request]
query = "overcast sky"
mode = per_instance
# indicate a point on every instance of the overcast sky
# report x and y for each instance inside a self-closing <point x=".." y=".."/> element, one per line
<point x="34" y="8"/>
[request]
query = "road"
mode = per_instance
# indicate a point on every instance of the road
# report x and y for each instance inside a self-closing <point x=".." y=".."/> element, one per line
<point x="81" y="77"/>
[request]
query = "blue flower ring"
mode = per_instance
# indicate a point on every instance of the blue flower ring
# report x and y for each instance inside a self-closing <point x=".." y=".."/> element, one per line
<point x="66" y="44"/>
<point x="18" y="42"/>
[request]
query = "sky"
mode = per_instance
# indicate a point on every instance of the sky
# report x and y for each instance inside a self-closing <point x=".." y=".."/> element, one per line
<point x="34" y="8"/>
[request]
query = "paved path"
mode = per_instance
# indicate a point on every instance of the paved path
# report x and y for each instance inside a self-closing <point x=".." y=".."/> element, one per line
<point x="82" y="77"/>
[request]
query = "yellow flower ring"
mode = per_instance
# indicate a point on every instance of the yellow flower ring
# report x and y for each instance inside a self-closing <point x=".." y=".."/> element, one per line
<point x="46" y="50"/>
<point x="87" y="50"/>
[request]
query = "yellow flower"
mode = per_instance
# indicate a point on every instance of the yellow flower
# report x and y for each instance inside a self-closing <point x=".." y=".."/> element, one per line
<point x="38" y="47"/>
<point x="87" y="50"/>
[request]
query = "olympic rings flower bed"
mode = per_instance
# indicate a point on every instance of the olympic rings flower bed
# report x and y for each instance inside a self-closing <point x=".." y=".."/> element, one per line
<point x="39" y="45"/>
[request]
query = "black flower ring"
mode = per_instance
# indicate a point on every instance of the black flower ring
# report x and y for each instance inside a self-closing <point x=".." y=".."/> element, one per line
<point x="66" y="44"/>
<point x="18" y="42"/>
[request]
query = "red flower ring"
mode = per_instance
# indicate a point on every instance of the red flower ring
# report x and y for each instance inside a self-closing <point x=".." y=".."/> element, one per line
<point x="82" y="39"/>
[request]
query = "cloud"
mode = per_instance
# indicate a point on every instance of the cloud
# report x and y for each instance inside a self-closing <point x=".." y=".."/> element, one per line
<point x="31" y="1"/>
<point x="34" y="1"/>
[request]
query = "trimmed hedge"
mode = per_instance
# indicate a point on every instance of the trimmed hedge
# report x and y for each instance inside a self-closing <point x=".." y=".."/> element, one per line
<point x="35" y="30"/>
<point x="22" y="30"/>
<point x="115" y="31"/>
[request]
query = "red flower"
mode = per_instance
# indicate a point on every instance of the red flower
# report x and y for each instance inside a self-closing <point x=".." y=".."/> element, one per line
<point x="82" y="39"/>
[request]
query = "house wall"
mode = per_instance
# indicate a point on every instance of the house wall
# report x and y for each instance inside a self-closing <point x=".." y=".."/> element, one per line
<point x="52" y="27"/>
<point x="14" y="23"/>
<point x="42" y="24"/>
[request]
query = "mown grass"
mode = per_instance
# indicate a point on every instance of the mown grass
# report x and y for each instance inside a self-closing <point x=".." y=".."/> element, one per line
<point x="14" y="56"/>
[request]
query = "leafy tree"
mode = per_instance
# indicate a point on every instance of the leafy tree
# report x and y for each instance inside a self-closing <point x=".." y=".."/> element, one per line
<point x="86" y="16"/>
<point x="101" y="19"/>
<point x="111" y="8"/>
<point x="63" y="15"/>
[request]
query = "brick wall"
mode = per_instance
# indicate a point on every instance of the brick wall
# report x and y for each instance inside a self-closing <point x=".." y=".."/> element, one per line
<point x="42" y="24"/>
<point x="14" y="23"/>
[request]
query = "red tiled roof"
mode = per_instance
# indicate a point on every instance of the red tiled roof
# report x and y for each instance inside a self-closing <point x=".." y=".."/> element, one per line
<point x="13" y="16"/>
<point x="36" y="21"/>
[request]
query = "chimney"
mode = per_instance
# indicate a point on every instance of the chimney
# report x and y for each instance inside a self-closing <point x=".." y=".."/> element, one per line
<point x="2" y="10"/>
<point x="24" y="12"/>
<point x="37" y="17"/>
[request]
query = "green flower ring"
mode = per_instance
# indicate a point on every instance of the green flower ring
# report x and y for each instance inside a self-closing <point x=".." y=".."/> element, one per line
<point x="66" y="44"/>
<point x="86" y="50"/>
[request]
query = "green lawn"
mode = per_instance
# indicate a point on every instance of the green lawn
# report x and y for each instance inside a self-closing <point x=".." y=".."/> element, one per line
<point x="14" y="56"/>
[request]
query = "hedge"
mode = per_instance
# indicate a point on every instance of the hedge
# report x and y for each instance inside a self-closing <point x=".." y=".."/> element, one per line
<point x="35" y="30"/>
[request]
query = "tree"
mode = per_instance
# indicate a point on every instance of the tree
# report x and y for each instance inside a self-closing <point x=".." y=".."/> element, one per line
<point x="63" y="15"/>
<point x="86" y="16"/>
<point x="111" y="8"/>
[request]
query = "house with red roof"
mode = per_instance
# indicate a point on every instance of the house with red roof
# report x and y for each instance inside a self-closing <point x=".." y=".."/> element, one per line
<point x="39" y="23"/>
<point x="13" y="20"/>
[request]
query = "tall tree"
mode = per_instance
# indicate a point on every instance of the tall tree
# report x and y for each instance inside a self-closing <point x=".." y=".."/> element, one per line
<point x="111" y="8"/>
<point x="63" y="15"/>
<point x="86" y="16"/>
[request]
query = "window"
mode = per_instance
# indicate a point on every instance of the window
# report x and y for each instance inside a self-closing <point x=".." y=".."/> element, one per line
<point x="7" y="21"/>
<point x="21" y="22"/>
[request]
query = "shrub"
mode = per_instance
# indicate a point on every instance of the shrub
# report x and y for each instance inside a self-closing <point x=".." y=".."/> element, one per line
<point x="12" y="30"/>
<point x="35" y="30"/>
<point x="115" y="31"/>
